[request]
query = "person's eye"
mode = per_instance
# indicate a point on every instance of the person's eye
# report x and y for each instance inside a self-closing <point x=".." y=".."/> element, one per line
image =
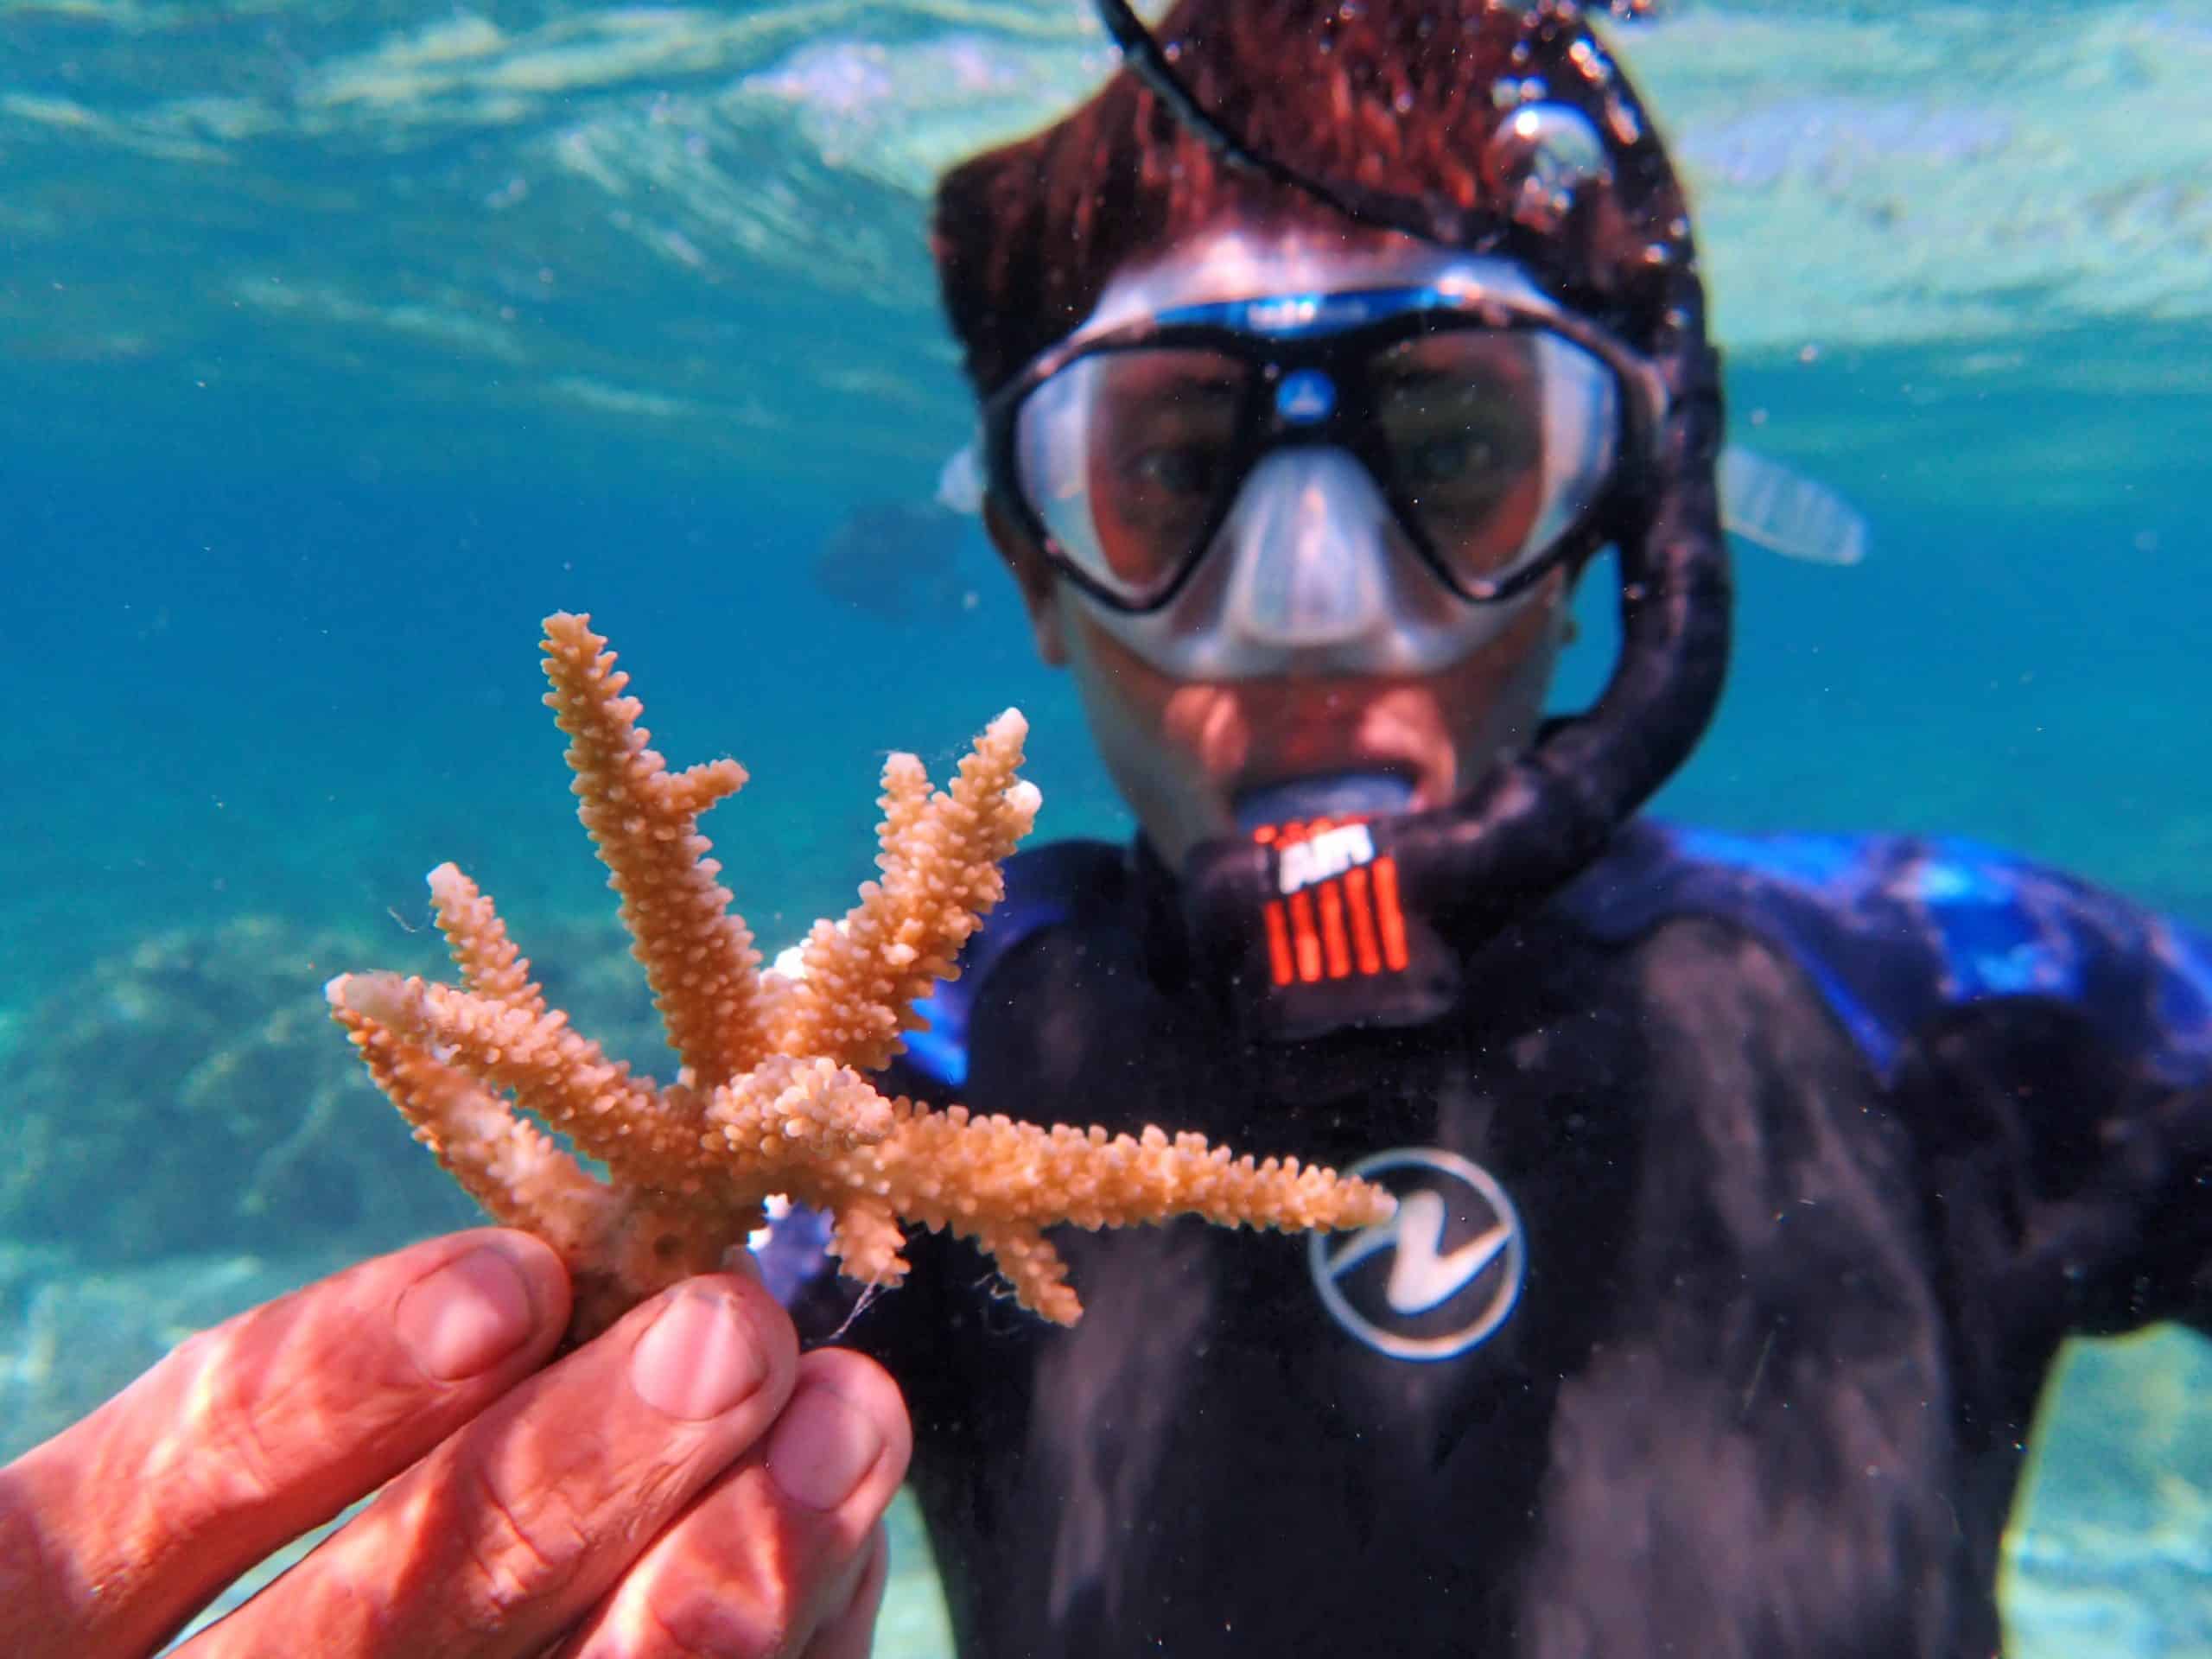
<point x="1189" y="469"/>
<point x="1448" y="458"/>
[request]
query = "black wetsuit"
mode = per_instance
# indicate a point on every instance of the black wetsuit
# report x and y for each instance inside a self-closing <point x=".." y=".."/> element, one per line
<point x="1818" y="1149"/>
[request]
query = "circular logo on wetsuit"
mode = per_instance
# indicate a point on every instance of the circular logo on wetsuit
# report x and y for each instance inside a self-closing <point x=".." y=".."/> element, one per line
<point x="1438" y="1278"/>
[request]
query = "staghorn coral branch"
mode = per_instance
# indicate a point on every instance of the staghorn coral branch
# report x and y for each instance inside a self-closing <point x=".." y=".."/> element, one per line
<point x="996" y="1179"/>
<point x="697" y="956"/>
<point x="618" y="1242"/>
<point x="1032" y="1268"/>
<point x="773" y="1100"/>
<point x="489" y="963"/>
<point x="940" y="859"/>
<point x="515" y="1172"/>
<point x="643" y="1135"/>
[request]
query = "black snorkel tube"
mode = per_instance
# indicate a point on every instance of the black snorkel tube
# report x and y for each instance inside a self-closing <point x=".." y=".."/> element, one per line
<point x="1463" y="872"/>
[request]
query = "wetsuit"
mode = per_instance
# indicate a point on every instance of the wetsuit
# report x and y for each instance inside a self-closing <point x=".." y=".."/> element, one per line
<point x="1804" y="1157"/>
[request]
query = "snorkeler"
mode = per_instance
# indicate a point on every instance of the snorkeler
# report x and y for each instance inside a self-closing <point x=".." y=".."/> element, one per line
<point x="1747" y="1187"/>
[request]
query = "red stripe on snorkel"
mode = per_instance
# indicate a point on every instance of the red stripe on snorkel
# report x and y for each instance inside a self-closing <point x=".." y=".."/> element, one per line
<point x="1392" y="919"/>
<point x="1279" y="964"/>
<point x="1335" y="948"/>
<point x="1305" y="943"/>
<point x="1359" y="893"/>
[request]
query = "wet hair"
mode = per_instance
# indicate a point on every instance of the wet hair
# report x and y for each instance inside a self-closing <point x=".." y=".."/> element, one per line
<point x="1399" y="97"/>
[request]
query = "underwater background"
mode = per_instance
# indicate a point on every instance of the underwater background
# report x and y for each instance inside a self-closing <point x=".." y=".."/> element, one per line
<point x="340" y="342"/>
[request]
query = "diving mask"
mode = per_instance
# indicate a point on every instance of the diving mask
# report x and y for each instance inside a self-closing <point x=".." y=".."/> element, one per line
<point x="1353" y="482"/>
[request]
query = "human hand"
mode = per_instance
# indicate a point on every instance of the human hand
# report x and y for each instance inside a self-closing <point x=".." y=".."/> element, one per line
<point x="687" y="1484"/>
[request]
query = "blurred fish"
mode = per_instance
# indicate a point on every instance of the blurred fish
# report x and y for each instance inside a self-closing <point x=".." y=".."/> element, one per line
<point x="892" y="559"/>
<point x="1765" y="503"/>
<point x="1772" y="506"/>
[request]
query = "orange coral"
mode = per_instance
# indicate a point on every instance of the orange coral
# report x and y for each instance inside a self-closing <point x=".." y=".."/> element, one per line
<point x="772" y="1098"/>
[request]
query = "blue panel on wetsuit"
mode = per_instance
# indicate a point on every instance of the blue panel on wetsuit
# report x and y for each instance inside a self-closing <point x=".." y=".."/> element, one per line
<point x="1041" y="886"/>
<point x="1893" y="930"/>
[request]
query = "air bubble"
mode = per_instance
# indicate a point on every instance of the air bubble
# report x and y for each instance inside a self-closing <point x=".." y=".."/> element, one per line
<point x="1545" y="154"/>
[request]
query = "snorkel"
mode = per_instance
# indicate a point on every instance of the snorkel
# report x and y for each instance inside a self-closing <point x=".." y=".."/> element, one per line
<point x="1569" y="183"/>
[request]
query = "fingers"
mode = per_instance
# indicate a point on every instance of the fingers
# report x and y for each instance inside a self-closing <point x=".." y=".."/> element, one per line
<point x="784" y="1556"/>
<point x="508" y="1534"/>
<point x="851" y="1632"/>
<point x="117" y="1530"/>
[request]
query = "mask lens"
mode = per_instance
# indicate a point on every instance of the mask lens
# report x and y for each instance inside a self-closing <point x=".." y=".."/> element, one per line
<point x="1499" y="441"/>
<point x="1124" y="455"/>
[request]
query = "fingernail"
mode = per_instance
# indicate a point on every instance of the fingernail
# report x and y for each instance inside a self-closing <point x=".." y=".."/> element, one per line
<point x="824" y="1445"/>
<point x="697" y="1360"/>
<point x="468" y="1316"/>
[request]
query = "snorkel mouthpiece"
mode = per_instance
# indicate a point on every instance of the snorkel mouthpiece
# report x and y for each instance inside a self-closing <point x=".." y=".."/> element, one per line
<point x="1343" y="796"/>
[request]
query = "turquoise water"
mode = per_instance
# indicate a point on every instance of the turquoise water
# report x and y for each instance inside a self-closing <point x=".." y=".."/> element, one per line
<point x="339" y="343"/>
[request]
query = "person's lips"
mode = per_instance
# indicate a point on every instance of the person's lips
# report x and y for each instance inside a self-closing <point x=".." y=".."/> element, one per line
<point x="1376" y="730"/>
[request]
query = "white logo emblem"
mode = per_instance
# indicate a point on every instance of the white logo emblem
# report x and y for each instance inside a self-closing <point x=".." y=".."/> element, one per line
<point x="1318" y="857"/>
<point x="1433" y="1301"/>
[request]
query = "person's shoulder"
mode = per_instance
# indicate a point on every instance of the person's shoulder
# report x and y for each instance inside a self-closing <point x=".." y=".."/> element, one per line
<point x="1893" y="928"/>
<point x="1950" y="889"/>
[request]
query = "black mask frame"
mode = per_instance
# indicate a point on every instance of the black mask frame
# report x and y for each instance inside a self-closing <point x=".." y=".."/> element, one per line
<point x="1345" y="355"/>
